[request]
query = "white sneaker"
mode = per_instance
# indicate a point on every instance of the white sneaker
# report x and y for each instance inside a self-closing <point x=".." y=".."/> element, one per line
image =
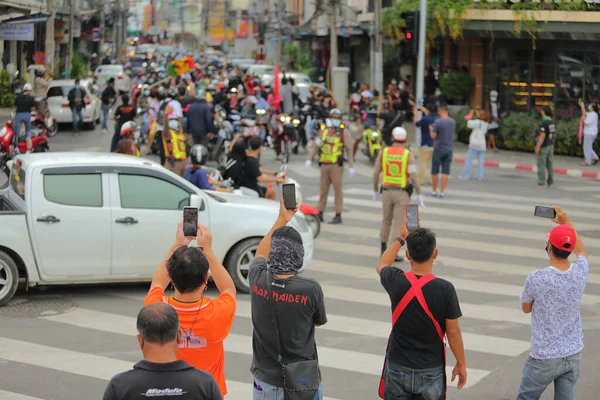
<point x="104" y="130"/>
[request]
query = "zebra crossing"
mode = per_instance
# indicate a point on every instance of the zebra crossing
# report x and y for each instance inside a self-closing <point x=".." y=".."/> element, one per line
<point x="488" y="243"/>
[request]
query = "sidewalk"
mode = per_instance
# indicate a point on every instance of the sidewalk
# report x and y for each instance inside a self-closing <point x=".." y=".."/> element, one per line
<point x="514" y="160"/>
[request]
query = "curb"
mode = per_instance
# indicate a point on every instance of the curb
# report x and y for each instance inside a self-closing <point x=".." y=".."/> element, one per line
<point x="575" y="173"/>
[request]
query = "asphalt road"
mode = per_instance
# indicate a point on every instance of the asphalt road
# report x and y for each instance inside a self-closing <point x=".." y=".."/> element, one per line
<point x="65" y="343"/>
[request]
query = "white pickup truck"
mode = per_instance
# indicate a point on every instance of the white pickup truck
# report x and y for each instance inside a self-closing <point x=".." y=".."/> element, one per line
<point x="75" y="218"/>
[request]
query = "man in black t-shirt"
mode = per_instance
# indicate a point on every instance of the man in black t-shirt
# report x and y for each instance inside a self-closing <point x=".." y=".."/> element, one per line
<point x="416" y="347"/>
<point x="24" y="104"/>
<point x="391" y="120"/>
<point x="161" y="374"/>
<point x="253" y="172"/>
<point x="544" y="148"/>
<point x="298" y="304"/>
<point x="108" y="98"/>
<point x="124" y="113"/>
<point x="76" y="104"/>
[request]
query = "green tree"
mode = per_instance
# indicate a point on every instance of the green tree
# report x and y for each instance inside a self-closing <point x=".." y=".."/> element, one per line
<point x="7" y="98"/>
<point x="300" y="61"/>
<point x="77" y="66"/>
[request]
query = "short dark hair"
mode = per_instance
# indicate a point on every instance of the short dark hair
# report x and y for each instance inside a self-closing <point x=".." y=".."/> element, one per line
<point x="421" y="244"/>
<point x="125" y="99"/>
<point x="443" y="106"/>
<point x="558" y="253"/>
<point x="397" y="105"/>
<point x="255" y="142"/>
<point x="181" y="90"/>
<point x="76" y="81"/>
<point x="188" y="269"/>
<point x="158" y="323"/>
<point x="547" y="110"/>
<point x="111" y="81"/>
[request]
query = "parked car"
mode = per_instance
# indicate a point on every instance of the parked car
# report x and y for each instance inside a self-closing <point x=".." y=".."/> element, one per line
<point x="105" y="72"/>
<point x="74" y="218"/>
<point x="58" y="103"/>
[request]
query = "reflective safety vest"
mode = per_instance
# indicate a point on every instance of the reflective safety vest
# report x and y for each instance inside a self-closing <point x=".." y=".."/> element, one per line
<point x="394" y="164"/>
<point x="178" y="142"/>
<point x="137" y="151"/>
<point x="332" y="148"/>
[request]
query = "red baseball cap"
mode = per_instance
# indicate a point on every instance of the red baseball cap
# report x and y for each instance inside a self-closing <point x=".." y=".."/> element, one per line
<point x="563" y="237"/>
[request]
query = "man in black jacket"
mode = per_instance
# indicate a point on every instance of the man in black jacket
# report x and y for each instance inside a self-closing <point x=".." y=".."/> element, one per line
<point x="161" y="374"/>
<point x="200" y="122"/>
<point x="76" y="104"/>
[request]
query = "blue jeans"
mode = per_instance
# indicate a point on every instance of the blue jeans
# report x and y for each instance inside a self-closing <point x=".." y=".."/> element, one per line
<point x="538" y="374"/>
<point x="466" y="173"/>
<point x="264" y="391"/>
<point x="77" y="119"/>
<point x="20" y="119"/>
<point x="105" y="110"/>
<point x="418" y="384"/>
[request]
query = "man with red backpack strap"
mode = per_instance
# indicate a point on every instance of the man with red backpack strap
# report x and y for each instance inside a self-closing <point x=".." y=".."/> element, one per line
<point x="425" y="310"/>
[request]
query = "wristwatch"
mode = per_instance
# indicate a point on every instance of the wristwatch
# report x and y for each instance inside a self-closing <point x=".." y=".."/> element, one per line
<point x="400" y="240"/>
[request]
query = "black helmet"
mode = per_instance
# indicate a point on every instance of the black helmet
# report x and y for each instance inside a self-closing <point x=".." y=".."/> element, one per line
<point x="198" y="154"/>
<point x="335" y="113"/>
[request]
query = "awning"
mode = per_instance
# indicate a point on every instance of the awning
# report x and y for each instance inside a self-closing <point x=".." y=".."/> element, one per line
<point x="27" y="19"/>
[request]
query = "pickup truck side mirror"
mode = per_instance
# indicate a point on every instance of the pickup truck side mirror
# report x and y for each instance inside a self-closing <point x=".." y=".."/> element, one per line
<point x="197" y="201"/>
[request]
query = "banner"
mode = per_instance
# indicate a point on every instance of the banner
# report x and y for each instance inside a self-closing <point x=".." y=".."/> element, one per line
<point x="181" y="66"/>
<point x="147" y="18"/>
<point x="22" y="32"/>
<point x="243" y="28"/>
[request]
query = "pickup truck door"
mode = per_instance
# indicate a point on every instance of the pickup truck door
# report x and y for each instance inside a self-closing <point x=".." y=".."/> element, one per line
<point x="146" y="207"/>
<point x="69" y="221"/>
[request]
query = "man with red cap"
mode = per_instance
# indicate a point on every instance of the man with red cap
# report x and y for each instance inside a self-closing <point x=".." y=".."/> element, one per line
<point x="553" y="296"/>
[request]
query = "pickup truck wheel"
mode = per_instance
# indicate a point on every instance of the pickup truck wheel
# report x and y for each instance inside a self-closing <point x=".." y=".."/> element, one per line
<point x="9" y="278"/>
<point x="238" y="263"/>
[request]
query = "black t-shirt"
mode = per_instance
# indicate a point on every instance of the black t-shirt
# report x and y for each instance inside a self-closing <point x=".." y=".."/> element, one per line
<point x="391" y="120"/>
<point x="300" y="306"/>
<point x="125" y="113"/>
<point x="108" y="95"/>
<point x="415" y="342"/>
<point x="547" y="126"/>
<point x="24" y="103"/>
<point x="235" y="172"/>
<point x="175" y="380"/>
<point x="251" y="173"/>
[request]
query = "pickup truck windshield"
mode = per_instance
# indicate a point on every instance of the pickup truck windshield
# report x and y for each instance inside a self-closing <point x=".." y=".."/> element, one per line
<point x="17" y="180"/>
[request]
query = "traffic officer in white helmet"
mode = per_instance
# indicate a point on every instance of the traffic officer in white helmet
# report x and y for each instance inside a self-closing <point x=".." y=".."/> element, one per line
<point x="399" y="173"/>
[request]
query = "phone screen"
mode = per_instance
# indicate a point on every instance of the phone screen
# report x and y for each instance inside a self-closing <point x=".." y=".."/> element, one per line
<point x="412" y="216"/>
<point x="544" y="212"/>
<point x="190" y="221"/>
<point x="288" y="192"/>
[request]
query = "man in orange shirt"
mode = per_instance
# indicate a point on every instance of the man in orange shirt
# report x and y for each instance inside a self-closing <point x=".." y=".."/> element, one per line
<point x="204" y="322"/>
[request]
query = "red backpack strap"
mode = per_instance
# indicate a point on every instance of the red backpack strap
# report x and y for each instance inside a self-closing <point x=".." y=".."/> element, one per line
<point x="410" y="294"/>
<point x="417" y="285"/>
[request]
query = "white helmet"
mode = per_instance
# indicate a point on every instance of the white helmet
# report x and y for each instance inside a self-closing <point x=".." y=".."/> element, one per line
<point x="399" y="134"/>
<point x="27" y="87"/>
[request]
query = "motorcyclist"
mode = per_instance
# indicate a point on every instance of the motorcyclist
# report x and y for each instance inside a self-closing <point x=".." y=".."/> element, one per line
<point x="41" y="84"/>
<point x="195" y="172"/>
<point x="130" y="131"/>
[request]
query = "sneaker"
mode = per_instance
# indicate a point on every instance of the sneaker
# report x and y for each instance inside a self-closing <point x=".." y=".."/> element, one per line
<point x="104" y="131"/>
<point x="541" y="186"/>
<point x="441" y="195"/>
<point x="463" y="178"/>
<point x="432" y="194"/>
<point x="336" y="220"/>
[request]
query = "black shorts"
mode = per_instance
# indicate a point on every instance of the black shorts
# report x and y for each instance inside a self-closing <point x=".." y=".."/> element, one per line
<point x="441" y="160"/>
<point x="492" y="131"/>
<point x="262" y="191"/>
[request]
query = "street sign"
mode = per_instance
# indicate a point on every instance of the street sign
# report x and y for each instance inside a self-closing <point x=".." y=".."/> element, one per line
<point x="22" y="32"/>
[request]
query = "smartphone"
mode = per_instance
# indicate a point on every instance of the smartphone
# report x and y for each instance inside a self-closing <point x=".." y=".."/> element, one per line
<point x="412" y="216"/>
<point x="190" y="221"/>
<point x="288" y="191"/>
<point x="544" y="212"/>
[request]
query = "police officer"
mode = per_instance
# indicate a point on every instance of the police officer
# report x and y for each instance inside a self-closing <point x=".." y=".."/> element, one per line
<point x="397" y="164"/>
<point x="544" y="149"/>
<point x="175" y="146"/>
<point x="331" y="144"/>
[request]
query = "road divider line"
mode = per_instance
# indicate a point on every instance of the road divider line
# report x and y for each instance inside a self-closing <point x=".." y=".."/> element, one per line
<point x="104" y="367"/>
<point x="15" y="396"/>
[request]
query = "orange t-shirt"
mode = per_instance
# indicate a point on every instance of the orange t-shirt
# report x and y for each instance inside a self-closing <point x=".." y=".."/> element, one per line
<point x="202" y="345"/>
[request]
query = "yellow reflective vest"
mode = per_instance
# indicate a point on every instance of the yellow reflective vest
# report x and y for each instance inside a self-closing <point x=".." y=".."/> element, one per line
<point x="394" y="164"/>
<point x="178" y="143"/>
<point x="332" y="148"/>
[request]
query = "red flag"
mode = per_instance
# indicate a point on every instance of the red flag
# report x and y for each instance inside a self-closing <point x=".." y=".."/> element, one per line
<point x="276" y="88"/>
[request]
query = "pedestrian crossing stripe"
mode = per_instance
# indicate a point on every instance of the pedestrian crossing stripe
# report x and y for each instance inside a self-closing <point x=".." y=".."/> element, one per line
<point x="89" y="365"/>
<point x="104" y="368"/>
<point x="16" y="396"/>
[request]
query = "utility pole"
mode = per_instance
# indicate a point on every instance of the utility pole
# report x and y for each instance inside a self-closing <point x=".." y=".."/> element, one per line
<point x="101" y="27"/>
<point x="69" y="62"/>
<point x="182" y="17"/>
<point x="49" y="46"/>
<point x="333" y="42"/>
<point x="226" y="26"/>
<point x="421" y="64"/>
<point x="378" y="48"/>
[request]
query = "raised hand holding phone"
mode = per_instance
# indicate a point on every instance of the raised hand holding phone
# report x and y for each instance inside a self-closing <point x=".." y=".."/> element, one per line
<point x="190" y="221"/>
<point x="412" y="217"/>
<point x="544" y="212"/>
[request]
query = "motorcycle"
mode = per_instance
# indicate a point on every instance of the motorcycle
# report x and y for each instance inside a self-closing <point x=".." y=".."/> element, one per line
<point x="49" y="121"/>
<point x="288" y="132"/>
<point x="248" y="129"/>
<point x="372" y="140"/>
<point x="218" y="146"/>
<point x="262" y="120"/>
<point x="39" y="140"/>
